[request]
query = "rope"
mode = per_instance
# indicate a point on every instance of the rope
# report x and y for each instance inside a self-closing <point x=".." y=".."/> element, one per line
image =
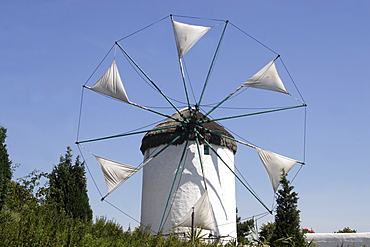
<point x="142" y="29"/>
<point x="192" y="17"/>
<point x="304" y="134"/>
<point x="97" y="188"/>
<point x="137" y="72"/>
<point x="261" y="215"/>
<point x="297" y="173"/>
<point x="291" y="78"/>
<point x="99" y="65"/>
<point x="187" y="75"/>
<point x="92" y="177"/>
<point x="250" y="36"/>
<point x="142" y="225"/>
<point x="80" y="115"/>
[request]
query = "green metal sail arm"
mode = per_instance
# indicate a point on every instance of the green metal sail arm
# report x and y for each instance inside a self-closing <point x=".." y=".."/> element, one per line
<point x="173" y="185"/>
<point x="221" y="102"/>
<point x="228" y="137"/>
<point x="238" y="141"/>
<point x="156" y="112"/>
<point x="160" y="151"/>
<point x="148" y="160"/>
<point x="128" y="134"/>
<point x="251" y="114"/>
<point x="200" y="158"/>
<point x="184" y="82"/>
<point x="148" y="78"/>
<point x="213" y="62"/>
<point x="182" y="72"/>
<point x="241" y="181"/>
<point x="227" y="97"/>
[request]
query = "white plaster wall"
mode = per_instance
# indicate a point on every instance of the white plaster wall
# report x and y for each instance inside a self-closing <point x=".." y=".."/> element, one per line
<point x="158" y="176"/>
<point x="337" y="239"/>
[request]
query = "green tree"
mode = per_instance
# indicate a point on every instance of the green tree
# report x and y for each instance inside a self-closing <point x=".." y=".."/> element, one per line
<point x="346" y="230"/>
<point x="287" y="230"/>
<point x="243" y="230"/>
<point x="27" y="192"/>
<point x="266" y="231"/>
<point x="67" y="189"/>
<point x="5" y="169"/>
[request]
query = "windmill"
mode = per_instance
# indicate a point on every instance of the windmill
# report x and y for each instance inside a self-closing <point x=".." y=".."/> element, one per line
<point x="188" y="165"/>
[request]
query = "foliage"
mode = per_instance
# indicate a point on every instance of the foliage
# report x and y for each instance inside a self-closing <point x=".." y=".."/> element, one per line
<point x="266" y="231"/>
<point x="243" y="230"/>
<point x="287" y="230"/>
<point x="27" y="220"/>
<point x="68" y="187"/>
<point x="346" y="230"/>
<point x="5" y="168"/>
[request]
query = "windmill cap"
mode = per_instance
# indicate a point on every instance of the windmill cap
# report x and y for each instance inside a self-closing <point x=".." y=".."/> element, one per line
<point x="164" y="136"/>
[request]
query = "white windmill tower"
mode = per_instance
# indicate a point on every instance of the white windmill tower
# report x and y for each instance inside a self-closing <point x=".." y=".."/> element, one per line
<point x="189" y="177"/>
<point x="188" y="167"/>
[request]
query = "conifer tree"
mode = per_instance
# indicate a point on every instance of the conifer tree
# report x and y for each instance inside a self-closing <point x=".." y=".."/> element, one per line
<point x="68" y="190"/>
<point x="287" y="230"/>
<point x="5" y="169"/>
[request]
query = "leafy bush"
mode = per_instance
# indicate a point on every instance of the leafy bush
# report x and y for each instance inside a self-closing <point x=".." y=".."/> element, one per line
<point x="346" y="230"/>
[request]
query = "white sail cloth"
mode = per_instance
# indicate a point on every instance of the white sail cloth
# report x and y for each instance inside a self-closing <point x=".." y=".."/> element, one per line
<point x="187" y="36"/>
<point x="203" y="215"/>
<point x="110" y="84"/>
<point x="267" y="78"/>
<point x="276" y="165"/>
<point x="115" y="173"/>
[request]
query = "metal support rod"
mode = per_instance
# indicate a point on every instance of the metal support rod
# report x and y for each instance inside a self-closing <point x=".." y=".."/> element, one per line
<point x="238" y="141"/>
<point x="231" y="94"/>
<point x="192" y="224"/>
<point x="137" y="105"/>
<point x="127" y="134"/>
<point x="181" y="68"/>
<point x="222" y="101"/>
<point x="173" y="184"/>
<point x="200" y="159"/>
<point x="184" y="82"/>
<point x="250" y="114"/>
<point x="213" y="62"/>
<point x="228" y="137"/>
<point x="150" y="80"/>
<point x="147" y="161"/>
<point x="241" y="181"/>
<point x="148" y="109"/>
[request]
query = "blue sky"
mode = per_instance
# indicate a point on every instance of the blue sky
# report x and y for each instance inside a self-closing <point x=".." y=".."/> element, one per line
<point x="48" y="50"/>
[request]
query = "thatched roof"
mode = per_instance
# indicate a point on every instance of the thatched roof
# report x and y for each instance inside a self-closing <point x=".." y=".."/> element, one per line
<point x="165" y="136"/>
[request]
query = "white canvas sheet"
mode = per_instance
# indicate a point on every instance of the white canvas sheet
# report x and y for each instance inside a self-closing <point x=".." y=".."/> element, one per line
<point x="274" y="165"/>
<point x="267" y="78"/>
<point x="111" y="84"/>
<point x="187" y="36"/>
<point x="203" y="215"/>
<point x="115" y="173"/>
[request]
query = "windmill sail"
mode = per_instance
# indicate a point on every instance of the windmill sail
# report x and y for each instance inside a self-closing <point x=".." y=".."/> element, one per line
<point x="203" y="216"/>
<point x="187" y="36"/>
<point x="110" y="84"/>
<point x="276" y="165"/>
<point x="174" y="191"/>
<point x="115" y="173"/>
<point x="267" y="78"/>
